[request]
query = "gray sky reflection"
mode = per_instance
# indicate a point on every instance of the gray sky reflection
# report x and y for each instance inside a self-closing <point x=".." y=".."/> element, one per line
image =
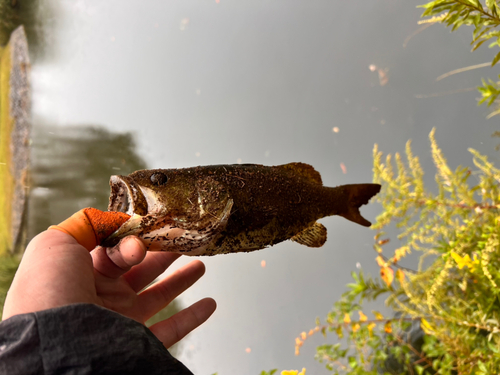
<point x="201" y="82"/>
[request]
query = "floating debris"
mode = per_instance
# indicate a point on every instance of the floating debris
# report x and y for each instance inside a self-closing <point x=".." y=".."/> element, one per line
<point x="184" y="24"/>
<point x="343" y="167"/>
<point x="383" y="77"/>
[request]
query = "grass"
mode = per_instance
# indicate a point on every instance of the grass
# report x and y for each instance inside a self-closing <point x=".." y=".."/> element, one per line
<point x="6" y="179"/>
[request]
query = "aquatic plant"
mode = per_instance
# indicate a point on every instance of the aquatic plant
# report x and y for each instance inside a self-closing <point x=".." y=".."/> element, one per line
<point x="447" y="317"/>
<point x="486" y="21"/>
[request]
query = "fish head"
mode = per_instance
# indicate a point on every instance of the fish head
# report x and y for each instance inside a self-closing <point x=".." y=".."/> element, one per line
<point x="179" y="194"/>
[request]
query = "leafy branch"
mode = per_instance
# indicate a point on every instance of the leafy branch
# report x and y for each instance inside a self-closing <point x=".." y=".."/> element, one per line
<point x="448" y="313"/>
<point x="485" y="19"/>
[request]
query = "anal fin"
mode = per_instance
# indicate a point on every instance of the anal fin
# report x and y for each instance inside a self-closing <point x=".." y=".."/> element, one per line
<point x="313" y="236"/>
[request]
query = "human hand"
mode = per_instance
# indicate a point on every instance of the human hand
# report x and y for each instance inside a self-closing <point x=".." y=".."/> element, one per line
<point x="56" y="271"/>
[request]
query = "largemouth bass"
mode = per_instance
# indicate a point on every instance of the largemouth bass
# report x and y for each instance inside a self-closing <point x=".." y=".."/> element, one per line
<point x="231" y="208"/>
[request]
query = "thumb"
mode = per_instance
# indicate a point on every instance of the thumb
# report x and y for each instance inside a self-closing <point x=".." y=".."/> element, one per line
<point x="90" y="226"/>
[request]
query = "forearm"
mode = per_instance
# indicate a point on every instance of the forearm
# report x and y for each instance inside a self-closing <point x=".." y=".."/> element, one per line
<point x="82" y="339"/>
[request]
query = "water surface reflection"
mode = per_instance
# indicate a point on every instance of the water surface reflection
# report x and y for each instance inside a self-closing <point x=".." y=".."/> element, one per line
<point x="71" y="167"/>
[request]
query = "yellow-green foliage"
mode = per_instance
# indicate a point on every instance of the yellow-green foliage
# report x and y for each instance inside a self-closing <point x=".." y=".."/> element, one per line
<point x="6" y="179"/>
<point x="447" y="317"/>
<point x="457" y="295"/>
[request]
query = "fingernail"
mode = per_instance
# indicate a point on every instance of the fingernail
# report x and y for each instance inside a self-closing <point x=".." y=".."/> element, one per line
<point x="137" y="240"/>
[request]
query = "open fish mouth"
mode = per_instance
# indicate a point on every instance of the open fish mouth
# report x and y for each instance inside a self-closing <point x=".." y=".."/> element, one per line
<point x="126" y="196"/>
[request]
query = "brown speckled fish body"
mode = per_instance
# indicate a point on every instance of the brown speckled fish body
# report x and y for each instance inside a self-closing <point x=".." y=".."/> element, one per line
<point x="231" y="208"/>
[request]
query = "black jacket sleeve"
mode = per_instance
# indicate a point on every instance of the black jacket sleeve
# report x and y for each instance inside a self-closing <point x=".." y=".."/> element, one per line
<point x="82" y="339"/>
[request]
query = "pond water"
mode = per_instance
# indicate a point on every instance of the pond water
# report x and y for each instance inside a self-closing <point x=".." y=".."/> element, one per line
<point x="212" y="82"/>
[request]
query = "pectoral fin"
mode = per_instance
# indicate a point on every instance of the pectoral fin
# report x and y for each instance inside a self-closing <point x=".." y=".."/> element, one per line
<point x="313" y="236"/>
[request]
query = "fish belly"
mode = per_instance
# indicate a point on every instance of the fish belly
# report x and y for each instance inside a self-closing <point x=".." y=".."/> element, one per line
<point x="174" y="239"/>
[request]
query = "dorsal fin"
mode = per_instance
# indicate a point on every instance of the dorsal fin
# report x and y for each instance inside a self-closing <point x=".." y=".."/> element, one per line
<point x="305" y="170"/>
<point x="313" y="236"/>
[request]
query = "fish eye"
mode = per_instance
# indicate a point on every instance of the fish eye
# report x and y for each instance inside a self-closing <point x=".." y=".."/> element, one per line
<point x="159" y="178"/>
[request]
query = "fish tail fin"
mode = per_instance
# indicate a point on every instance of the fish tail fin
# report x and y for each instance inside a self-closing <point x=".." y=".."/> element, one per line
<point x="357" y="195"/>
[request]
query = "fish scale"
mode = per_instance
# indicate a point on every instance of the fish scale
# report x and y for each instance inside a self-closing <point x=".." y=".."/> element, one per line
<point x="231" y="208"/>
